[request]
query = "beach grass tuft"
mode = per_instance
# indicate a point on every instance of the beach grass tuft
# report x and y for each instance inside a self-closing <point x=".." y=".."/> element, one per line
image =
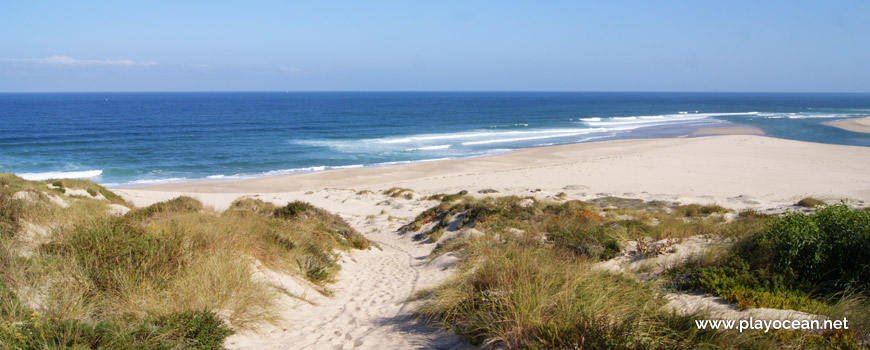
<point x="177" y="269"/>
<point x="809" y="202"/>
<point x="396" y="192"/>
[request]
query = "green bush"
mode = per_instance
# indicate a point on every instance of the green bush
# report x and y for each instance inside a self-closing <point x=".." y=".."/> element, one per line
<point x="182" y="204"/>
<point x="585" y="238"/>
<point x="693" y="210"/>
<point x="196" y="329"/>
<point x="184" y="330"/>
<point x="809" y="202"/>
<point x="797" y="261"/>
<point x="293" y="209"/>
<point x="829" y="248"/>
<point x="322" y="221"/>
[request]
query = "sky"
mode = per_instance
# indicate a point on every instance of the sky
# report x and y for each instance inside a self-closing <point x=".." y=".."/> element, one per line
<point x="752" y="46"/>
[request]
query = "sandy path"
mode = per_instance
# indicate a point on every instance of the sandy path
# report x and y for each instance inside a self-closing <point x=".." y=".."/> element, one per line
<point x="369" y="308"/>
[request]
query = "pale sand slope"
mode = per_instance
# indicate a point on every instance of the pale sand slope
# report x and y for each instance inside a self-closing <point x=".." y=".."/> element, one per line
<point x="855" y="124"/>
<point x="369" y="309"/>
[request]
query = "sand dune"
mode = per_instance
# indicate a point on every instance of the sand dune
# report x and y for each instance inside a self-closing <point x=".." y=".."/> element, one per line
<point x="369" y="308"/>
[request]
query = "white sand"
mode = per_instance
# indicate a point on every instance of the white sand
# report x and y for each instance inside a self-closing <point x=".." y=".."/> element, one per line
<point x="729" y="130"/>
<point x="733" y="170"/>
<point x="368" y="309"/>
<point x="861" y="125"/>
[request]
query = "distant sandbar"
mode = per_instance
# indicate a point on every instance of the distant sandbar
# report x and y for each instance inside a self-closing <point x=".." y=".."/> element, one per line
<point x="728" y="130"/>
<point x="855" y="124"/>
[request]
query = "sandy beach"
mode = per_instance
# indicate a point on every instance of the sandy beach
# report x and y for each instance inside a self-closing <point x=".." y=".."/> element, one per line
<point x="861" y="125"/>
<point x="735" y="170"/>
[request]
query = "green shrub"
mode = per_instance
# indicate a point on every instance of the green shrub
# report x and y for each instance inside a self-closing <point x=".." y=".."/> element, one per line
<point x="252" y="205"/>
<point x="184" y="330"/>
<point x="182" y="204"/>
<point x="584" y="237"/>
<point x="196" y="329"/>
<point x="321" y="220"/>
<point x="693" y="210"/>
<point x="829" y="248"/>
<point x="809" y="202"/>
<point x="797" y="261"/>
<point x="293" y="209"/>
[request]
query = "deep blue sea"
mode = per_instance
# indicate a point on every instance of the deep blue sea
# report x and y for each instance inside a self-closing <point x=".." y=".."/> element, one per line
<point x="136" y="138"/>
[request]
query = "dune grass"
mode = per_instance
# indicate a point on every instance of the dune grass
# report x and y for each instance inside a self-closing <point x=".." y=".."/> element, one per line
<point x="177" y="271"/>
<point x="799" y="261"/>
<point x="92" y="189"/>
<point x="581" y="227"/>
<point x="395" y="192"/>
<point x="810" y="202"/>
<point x="529" y="281"/>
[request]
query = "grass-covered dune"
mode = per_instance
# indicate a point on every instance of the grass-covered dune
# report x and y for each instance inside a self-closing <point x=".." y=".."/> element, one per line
<point x="76" y="274"/>
<point x="530" y="273"/>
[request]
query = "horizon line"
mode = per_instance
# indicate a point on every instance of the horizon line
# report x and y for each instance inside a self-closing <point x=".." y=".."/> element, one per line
<point x="433" y="91"/>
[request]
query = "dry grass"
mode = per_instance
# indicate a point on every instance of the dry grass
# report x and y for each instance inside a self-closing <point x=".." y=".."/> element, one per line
<point x="166" y="259"/>
<point x="528" y="282"/>
<point x="396" y="192"/>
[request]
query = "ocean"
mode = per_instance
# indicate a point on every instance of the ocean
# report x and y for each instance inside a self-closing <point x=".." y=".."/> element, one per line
<point x="120" y="139"/>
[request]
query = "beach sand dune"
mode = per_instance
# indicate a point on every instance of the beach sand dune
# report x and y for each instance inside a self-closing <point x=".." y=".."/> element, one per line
<point x="370" y="308"/>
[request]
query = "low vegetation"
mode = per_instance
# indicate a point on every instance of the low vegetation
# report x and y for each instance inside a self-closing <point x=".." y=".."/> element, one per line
<point x="91" y="188"/>
<point x="528" y="278"/>
<point x="799" y="261"/>
<point x="809" y="202"/>
<point x="168" y="276"/>
<point x="396" y="192"/>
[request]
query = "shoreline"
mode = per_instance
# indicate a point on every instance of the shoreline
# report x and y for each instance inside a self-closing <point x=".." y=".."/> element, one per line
<point x="724" y="128"/>
<point x="716" y="129"/>
<point x="741" y="170"/>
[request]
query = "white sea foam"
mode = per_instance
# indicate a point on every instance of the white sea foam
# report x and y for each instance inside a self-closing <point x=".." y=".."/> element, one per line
<point x="293" y="171"/>
<point x="627" y="123"/>
<point x="400" y="162"/>
<point x="85" y="174"/>
<point x="810" y="115"/>
<point x="429" y="148"/>
<point x="147" y="182"/>
<point x="528" y="138"/>
<point x="352" y="166"/>
<point x="596" y="119"/>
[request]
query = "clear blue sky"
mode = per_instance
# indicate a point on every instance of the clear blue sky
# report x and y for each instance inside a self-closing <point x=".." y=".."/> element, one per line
<point x="435" y="45"/>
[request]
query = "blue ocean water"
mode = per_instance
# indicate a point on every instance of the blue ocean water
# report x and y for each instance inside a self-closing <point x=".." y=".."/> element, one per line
<point x="135" y="138"/>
